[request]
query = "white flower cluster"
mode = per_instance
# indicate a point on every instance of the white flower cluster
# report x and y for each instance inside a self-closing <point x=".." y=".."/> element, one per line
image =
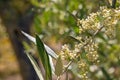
<point x="106" y="18"/>
<point x="85" y="52"/>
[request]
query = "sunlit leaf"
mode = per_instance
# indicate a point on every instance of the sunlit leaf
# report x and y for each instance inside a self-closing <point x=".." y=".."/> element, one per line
<point x="50" y="51"/>
<point x="51" y="64"/>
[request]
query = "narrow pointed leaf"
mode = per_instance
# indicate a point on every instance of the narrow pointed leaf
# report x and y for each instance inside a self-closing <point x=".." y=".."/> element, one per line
<point x="51" y="64"/>
<point x="59" y="66"/>
<point x="35" y="65"/>
<point x="29" y="37"/>
<point x="44" y="58"/>
<point x="48" y="49"/>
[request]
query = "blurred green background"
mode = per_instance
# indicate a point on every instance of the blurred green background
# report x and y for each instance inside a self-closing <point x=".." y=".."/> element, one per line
<point x="54" y="20"/>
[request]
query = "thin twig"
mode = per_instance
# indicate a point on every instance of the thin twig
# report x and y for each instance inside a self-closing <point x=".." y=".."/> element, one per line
<point x="93" y="36"/>
<point x="67" y="66"/>
<point x="72" y="15"/>
<point x="97" y="31"/>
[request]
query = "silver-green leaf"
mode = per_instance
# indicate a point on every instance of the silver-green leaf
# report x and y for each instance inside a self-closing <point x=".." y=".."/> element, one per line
<point x="35" y="65"/>
<point x="48" y="49"/>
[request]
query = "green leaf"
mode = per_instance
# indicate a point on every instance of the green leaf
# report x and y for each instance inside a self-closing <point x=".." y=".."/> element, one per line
<point x="52" y="65"/>
<point x="44" y="58"/>
<point x="35" y="65"/>
<point x="48" y="49"/>
<point x="59" y="67"/>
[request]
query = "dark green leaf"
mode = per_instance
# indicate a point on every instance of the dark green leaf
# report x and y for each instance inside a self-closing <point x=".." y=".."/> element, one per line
<point x="44" y="58"/>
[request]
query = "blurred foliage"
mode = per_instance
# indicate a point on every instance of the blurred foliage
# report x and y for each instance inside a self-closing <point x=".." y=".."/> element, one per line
<point x="57" y="19"/>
